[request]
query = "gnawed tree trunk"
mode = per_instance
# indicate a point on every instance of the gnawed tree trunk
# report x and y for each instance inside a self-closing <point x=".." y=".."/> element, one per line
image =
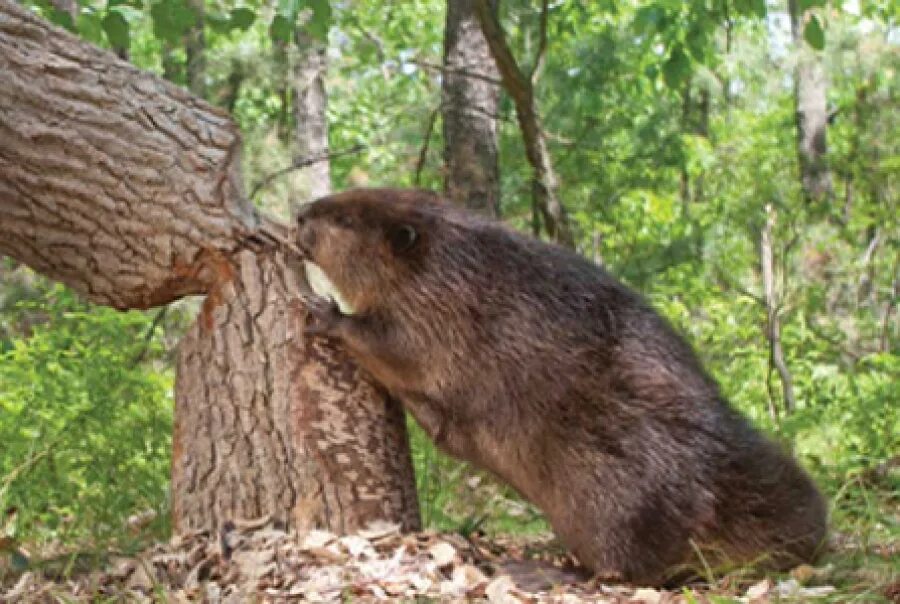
<point x="810" y="87"/>
<point x="326" y="448"/>
<point x="469" y="108"/>
<point x="128" y="189"/>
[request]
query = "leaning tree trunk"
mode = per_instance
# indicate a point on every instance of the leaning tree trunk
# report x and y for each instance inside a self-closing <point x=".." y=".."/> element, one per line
<point x="520" y="87"/>
<point x="810" y="87"/>
<point x="469" y="107"/>
<point x="127" y="189"/>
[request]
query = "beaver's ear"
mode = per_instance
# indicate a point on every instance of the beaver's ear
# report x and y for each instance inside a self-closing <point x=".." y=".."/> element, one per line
<point x="402" y="237"/>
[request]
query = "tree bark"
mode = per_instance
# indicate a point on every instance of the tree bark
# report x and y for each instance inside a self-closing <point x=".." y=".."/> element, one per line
<point x="128" y="189"/>
<point x="311" y="128"/>
<point x="545" y="185"/>
<point x="469" y="108"/>
<point x="810" y="88"/>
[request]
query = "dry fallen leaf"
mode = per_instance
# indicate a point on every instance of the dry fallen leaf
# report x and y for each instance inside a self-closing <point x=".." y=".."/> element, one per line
<point x="442" y="553"/>
<point x="759" y="590"/>
<point x="498" y="591"/>
<point x="646" y="595"/>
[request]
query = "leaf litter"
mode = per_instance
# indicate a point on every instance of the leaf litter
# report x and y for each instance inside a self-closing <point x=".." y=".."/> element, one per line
<point x="257" y="561"/>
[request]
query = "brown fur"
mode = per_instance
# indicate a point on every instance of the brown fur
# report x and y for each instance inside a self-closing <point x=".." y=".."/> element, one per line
<point x="536" y="364"/>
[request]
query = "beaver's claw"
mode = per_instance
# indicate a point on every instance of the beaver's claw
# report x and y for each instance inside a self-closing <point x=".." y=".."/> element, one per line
<point x="323" y="316"/>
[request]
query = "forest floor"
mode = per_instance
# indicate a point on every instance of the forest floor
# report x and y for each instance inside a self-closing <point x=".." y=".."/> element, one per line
<point x="256" y="562"/>
<point x="505" y="556"/>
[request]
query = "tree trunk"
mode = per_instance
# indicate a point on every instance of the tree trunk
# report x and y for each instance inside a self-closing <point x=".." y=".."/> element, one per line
<point x="311" y="128"/>
<point x="326" y="448"/>
<point x="128" y="189"/>
<point x="545" y="186"/>
<point x="810" y="87"/>
<point x="195" y="51"/>
<point x="469" y="108"/>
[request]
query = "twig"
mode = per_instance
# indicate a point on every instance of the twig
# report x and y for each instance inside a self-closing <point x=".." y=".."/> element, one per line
<point x="518" y="86"/>
<point x="773" y="318"/>
<point x="542" y="46"/>
<point x="148" y="337"/>
<point x="301" y="163"/>
<point x="426" y="141"/>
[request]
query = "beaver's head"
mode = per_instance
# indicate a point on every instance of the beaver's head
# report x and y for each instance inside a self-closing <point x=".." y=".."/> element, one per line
<point x="361" y="244"/>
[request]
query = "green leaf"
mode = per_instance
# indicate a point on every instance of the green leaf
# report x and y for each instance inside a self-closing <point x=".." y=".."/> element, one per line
<point x="749" y="8"/>
<point x="677" y="67"/>
<point x="321" y="18"/>
<point x="805" y="5"/>
<point x="281" y="28"/>
<point x="172" y="19"/>
<point x="62" y="18"/>
<point x="650" y="19"/>
<point x="814" y="34"/>
<point x="117" y="30"/>
<point x="242" y="18"/>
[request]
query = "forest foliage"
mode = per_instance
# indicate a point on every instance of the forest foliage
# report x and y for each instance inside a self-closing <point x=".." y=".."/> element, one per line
<point x="671" y="125"/>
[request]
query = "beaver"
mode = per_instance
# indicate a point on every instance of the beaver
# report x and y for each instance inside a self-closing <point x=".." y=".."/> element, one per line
<point x="536" y="364"/>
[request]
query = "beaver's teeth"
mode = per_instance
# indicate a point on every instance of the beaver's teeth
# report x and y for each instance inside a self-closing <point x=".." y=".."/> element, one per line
<point x="322" y="286"/>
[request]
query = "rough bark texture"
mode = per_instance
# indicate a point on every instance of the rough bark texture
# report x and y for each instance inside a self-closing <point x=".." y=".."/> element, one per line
<point x="127" y="189"/>
<point x="325" y="447"/>
<point x="810" y="87"/>
<point x="469" y="110"/>
<point x="112" y="181"/>
<point x="545" y="185"/>
<point x="310" y="101"/>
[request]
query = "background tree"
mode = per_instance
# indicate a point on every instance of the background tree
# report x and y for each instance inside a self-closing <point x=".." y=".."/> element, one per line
<point x="469" y="105"/>
<point x="310" y="103"/>
<point x="520" y="87"/>
<point x="811" y="87"/>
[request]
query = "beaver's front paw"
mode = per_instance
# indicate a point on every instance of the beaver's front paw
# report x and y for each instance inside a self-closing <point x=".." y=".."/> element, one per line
<point x="323" y="318"/>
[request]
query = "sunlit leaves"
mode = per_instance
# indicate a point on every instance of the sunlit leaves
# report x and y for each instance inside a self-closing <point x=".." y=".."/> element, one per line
<point x="240" y="19"/>
<point x="748" y="8"/>
<point x="172" y="19"/>
<point x="314" y="16"/>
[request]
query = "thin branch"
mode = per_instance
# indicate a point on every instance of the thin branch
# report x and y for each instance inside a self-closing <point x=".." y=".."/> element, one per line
<point x="426" y="141"/>
<point x="301" y="163"/>
<point x="773" y="318"/>
<point x="544" y="181"/>
<point x="148" y="337"/>
<point x="542" y="46"/>
<point x="461" y="72"/>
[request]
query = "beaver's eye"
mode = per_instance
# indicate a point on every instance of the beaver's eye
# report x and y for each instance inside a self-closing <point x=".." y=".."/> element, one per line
<point x="343" y="220"/>
<point x="402" y="237"/>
